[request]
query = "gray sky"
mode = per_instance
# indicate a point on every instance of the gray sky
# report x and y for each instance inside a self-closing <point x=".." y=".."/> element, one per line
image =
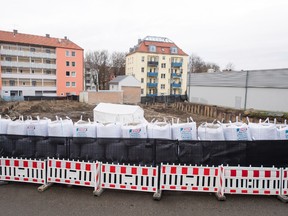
<point x="252" y="34"/>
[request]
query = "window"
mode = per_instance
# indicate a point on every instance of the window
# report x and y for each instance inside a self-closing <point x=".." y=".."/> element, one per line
<point x="33" y="71"/>
<point x="143" y="58"/>
<point x="163" y="65"/>
<point x="32" y="60"/>
<point x="67" y="63"/>
<point x="162" y="86"/>
<point x="32" y="49"/>
<point x="48" y="51"/>
<point x="173" y="50"/>
<point x="163" y="76"/>
<point x="142" y="80"/>
<point x="73" y="84"/>
<point x="152" y="48"/>
<point x="9" y="70"/>
<point x="21" y="71"/>
<point x="12" y="82"/>
<point x="163" y="57"/>
<point x="67" y="53"/>
<point x="73" y="64"/>
<point x="142" y="69"/>
<point x="73" y="74"/>
<point x="67" y="73"/>
<point x="8" y="58"/>
<point x="23" y="83"/>
<point x="48" y="61"/>
<point x="67" y="84"/>
<point x="33" y="83"/>
<point x="142" y="91"/>
<point x="48" y="72"/>
<point x="73" y="53"/>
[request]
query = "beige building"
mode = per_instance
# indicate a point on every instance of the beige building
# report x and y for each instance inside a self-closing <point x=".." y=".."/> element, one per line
<point x="160" y="66"/>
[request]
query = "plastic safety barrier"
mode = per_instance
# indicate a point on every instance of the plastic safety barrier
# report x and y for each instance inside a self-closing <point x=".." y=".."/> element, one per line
<point x="127" y="177"/>
<point x="284" y="182"/>
<point x="73" y="172"/>
<point x="190" y="178"/>
<point x="250" y="180"/>
<point x="23" y="170"/>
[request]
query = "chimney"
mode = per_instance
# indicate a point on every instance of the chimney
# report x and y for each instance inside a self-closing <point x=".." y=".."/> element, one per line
<point x="15" y="31"/>
<point x="65" y="37"/>
<point x="48" y="35"/>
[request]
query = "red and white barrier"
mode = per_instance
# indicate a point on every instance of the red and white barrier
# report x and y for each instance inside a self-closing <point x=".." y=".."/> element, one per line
<point x="190" y="178"/>
<point x="284" y="182"/>
<point x="73" y="172"/>
<point x="23" y="170"/>
<point x="251" y="180"/>
<point x="126" y="177"/>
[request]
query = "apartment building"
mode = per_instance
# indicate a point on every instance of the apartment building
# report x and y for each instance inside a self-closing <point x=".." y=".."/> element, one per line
<point x="160" y="65"/>
<point x="32" y="65"/>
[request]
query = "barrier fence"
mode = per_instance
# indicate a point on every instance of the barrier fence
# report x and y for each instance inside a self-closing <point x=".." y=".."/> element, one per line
<point x="77" y="163"/>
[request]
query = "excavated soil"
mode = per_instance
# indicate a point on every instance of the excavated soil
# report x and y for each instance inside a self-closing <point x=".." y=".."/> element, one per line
<point x="75" y="110"/>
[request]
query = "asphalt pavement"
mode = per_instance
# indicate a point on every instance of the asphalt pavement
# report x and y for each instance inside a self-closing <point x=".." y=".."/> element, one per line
<point x="24" y="199"/>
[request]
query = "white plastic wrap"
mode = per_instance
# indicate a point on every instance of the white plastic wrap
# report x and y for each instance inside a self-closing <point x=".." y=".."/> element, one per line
<point x="17" y="127"/>
<point x="236" y="131"/>
<point x="134" y="130"/>
<point x="263" y="131"/>
<point x="60" y="128"/>
<point x="37" y="127"/>
<point x="4" y="122"/>
<point x="184" y="131"/>
<point x="210" y="131"/>
<point x="110" y="130"/>
<point x="84" y="129"/>
<point x="159" y="130"/>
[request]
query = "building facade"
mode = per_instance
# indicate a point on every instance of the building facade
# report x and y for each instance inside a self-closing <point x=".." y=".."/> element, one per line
<point x="32" y="65"/>
<point x="255" y="89"/>
<point x="160" y="66"/>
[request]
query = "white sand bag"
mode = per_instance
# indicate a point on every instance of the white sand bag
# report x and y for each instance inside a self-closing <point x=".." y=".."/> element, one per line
<point x="37" y="127"/>
<point x="211" y="131"/>
<point x="17" y="127"/>
<point x="159" y="130"/>
<point x="134" y="130"/>
<point x="109" y="130"/>
<point x="282" y="131"/>
<point x="4" y="122"/>
<point x="236" y="131"/>
<point x="184" y="131"/>
<point x="60" y="128"/>
<point x="263" y="130"/>
<point x="84" y="129"/>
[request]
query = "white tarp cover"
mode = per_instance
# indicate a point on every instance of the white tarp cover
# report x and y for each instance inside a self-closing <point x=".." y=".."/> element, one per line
<point x="108" y="113"/>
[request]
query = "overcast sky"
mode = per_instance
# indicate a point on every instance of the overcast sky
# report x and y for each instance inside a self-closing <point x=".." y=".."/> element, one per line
<point x="252" y="34"/>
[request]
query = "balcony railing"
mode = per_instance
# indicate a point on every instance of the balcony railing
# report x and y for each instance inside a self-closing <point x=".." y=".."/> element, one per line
<point x="152" y="85"/>
<point x="151" y="95"/>
<point x="152" y="74"/>
<point x="176" y="64"/>
<point x="28" y="54"/>
<point x="28" y="65"/>
<point x="153" y="63"/>
<point x="176" y="85"/>
<point x="175" y="75"/>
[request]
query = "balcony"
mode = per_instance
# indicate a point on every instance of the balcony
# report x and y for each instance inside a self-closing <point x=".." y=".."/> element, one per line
<point x="28" y="65"/>
<point x="176" y="85"/>
<point x="175" y="75"/>
<point x="152" y="74"/>
<point x="151" y="95"/>
<point x="152" y="63"/>
<point x="176" y="64"/>
<point x="28" y="54"/>
<point x="152" y="85"/>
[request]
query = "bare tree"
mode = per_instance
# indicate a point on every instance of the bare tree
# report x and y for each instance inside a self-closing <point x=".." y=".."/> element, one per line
<point x="229" y="67"/>
<point x="197" y="65"/>
<point x="118" y="60"/>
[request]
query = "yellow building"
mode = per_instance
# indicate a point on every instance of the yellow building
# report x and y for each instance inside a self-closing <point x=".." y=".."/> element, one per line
<point x="160" y="65"/>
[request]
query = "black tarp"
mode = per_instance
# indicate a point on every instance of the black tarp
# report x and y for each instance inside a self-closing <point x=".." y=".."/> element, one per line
<point x="148" y="151"/>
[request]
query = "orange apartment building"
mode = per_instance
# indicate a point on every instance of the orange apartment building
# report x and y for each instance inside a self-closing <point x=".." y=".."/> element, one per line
<point x="32" y="65"/>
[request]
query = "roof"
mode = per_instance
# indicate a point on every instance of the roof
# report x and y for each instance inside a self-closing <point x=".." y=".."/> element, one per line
<point x="163" y="46"/>
<point x="118" y="79"/>
<point x="15" y="37"/>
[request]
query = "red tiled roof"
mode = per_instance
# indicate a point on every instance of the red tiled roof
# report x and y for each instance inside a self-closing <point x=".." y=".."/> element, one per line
<point x="161" y="48"/>
<point x="37" y="40"/>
